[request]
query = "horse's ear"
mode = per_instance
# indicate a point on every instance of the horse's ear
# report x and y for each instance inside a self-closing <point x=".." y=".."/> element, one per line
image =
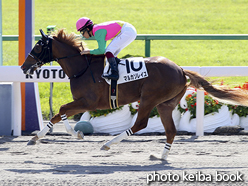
<point x="44" y="36"/>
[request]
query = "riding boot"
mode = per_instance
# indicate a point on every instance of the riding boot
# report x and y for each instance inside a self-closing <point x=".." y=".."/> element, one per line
<point x="114" y="69"/>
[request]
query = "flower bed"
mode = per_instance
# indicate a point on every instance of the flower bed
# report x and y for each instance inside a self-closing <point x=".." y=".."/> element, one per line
<point x="210" y="105"/>
<point x="217" y="114"/>
<point x="241" y="111"/>
<point x="210" y="123"/>
<point x="235" y="114"/>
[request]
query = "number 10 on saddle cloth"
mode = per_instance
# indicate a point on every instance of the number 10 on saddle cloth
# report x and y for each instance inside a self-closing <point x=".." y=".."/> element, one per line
<point x="130" y="69"/>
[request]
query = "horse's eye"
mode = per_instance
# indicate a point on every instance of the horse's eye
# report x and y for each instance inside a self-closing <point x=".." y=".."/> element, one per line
<point x="37" y="48"/>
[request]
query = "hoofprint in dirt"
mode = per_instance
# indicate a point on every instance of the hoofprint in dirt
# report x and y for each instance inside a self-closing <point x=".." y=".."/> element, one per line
<point x="64" y="160"/>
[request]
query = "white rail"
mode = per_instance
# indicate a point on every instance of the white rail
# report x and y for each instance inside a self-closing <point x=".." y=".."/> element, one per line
<point x="55" y="74"/>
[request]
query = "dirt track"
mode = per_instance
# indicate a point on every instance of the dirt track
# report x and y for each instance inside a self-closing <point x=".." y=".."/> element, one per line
<point x="64" y="160"/>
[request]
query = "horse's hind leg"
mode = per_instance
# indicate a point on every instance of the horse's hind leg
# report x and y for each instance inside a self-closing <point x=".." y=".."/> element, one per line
<point x="140" y="123"/>
<point x="165" y="111"/>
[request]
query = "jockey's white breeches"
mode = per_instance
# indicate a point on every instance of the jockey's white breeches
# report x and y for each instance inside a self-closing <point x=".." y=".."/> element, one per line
<point x="125" y="37"/>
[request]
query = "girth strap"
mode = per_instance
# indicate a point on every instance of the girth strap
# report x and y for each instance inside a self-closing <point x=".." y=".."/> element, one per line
<point x="113" y="91"/>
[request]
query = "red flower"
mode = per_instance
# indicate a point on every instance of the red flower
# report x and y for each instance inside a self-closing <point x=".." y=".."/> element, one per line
<point x="245" y="86"/>
<point x="205" y="93"/>
<point x="222" y="82"/>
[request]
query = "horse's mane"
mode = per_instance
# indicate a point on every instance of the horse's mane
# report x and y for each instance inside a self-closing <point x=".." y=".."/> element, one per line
<point x="70" y="39"/>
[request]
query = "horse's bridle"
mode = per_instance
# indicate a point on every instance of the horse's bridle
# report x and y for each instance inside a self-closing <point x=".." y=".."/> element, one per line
<point x="46" y="55"/>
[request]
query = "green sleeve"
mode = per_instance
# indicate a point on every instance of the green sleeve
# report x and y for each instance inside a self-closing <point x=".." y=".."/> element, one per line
<point x="100" y="36"/>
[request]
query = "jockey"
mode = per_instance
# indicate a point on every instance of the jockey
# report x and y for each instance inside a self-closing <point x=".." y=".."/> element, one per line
<point x="121" y="32"/>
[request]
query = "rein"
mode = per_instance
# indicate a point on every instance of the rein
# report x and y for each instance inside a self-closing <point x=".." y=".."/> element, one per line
<point x="73" y="55"/>
<point x="83" y="71"/>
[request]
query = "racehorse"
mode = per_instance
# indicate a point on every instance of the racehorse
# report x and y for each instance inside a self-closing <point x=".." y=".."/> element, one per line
<point x="163" y="88"/>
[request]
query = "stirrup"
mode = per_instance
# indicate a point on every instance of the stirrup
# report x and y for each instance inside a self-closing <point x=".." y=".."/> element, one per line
<point x="111" y="76"/>
<point x="104" y="76"/>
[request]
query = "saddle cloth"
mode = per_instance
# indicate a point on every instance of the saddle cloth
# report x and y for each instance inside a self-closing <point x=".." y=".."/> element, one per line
<point x="130" y="69"/>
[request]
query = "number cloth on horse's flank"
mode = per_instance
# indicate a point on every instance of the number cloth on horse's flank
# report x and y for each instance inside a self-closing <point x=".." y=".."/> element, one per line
<point x="130" y="69"/>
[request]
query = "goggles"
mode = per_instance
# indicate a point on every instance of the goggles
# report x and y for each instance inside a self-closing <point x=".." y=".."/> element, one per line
<point x="83" y="31"/>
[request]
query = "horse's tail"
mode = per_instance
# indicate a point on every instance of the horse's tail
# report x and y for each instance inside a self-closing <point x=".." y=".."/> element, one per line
<point x="229" y="95"/>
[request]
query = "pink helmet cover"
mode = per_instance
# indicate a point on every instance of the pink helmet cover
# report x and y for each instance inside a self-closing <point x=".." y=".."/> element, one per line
<point x="83" y="22"/>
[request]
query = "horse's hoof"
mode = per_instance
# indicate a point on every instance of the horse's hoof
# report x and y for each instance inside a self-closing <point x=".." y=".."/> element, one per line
<point x="164" y="157"/>
<point x="80" y="134"/>
<point x="31" y="142"/>
<point x="156" y="157"/>
<point x="105" y="147"/>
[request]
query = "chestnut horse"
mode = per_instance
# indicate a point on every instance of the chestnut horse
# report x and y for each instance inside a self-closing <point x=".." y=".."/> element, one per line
<point x="163" y="88"/>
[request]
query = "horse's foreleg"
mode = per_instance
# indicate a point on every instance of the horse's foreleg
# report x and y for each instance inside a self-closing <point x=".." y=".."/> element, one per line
<point x="40" y="134"/>
<point x="66" y="111"/>
<point x="71" y="109"/>
<point x="69" y="129"/>
<point x="45" y="130"/>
